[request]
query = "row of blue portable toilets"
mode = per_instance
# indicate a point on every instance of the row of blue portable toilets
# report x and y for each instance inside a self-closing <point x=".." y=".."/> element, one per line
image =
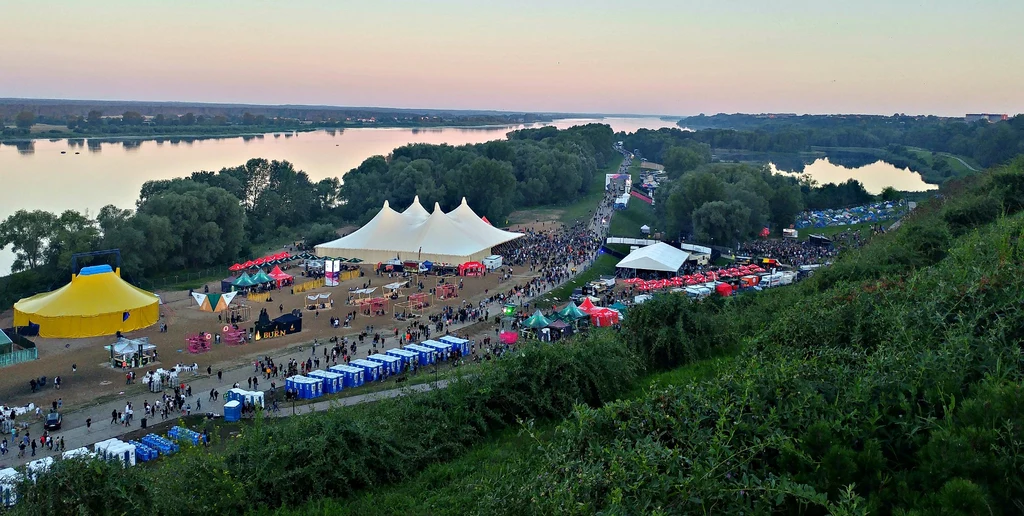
<point x="393" y="361"/>
<point x="234" y="399"/>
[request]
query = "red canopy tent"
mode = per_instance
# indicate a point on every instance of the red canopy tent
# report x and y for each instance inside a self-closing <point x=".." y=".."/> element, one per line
<point x="280" y="277"/>
<point x="471" y="269"/>
<point x="602" y="317"/>
<point x="508" y="337"/>
<point x="587" y="307"/>
<point x="236" y="267"/>
<point x="724" y="289"/>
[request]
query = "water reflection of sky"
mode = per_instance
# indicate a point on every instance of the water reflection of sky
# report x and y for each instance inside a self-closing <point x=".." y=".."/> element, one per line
<point x="86" y="174"/>
<point x="874" y="176"/>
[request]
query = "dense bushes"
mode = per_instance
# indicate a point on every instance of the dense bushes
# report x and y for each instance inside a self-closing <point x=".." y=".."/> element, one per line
<point x="882" y="390"/>
<point x="331" y="453"/>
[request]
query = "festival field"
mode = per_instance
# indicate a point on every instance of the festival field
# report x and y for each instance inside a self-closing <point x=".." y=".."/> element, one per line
<point x="96" y="381"/>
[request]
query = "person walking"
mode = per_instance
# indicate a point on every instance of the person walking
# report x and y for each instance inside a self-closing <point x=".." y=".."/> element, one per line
<point x="113" y="416"/>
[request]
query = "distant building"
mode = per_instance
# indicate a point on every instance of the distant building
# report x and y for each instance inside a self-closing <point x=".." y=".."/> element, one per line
<point x="988" y="117"/>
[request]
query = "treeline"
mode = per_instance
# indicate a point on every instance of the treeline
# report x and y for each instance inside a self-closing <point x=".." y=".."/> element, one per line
<point x="988" y="143"/>
<point x="207" y="219"/>
<point x="723" y="204"/>
<point x="533" y="167"/>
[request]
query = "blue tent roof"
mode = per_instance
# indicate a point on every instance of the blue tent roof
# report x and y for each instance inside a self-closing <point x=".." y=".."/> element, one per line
<point x="95" y="269"/>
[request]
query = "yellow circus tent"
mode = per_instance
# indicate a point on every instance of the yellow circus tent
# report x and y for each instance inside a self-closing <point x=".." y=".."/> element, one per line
<point x="96" y="302"/>
<point x="214" y="302"/>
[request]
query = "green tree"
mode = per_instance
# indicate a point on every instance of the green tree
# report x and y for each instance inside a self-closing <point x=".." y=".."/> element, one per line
<point x="24" y="120"/>
<point x="132" y="118"/>
<point x="320" y="233"/>
<point x="73" y="233"/>
<point x="188" y="119"/>
<point x="28" y="233"/>
<point x="890" y="194"/>
<point x="721" y="223"/>
<point x="94" y="118"/>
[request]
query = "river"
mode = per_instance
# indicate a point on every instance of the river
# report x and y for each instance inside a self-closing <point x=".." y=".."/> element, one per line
<point x="83" y="175"/>
<point x="875" y="176"/>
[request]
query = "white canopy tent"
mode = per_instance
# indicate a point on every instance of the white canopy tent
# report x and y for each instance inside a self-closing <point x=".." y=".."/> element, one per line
<point x="655" y="257"/>
<point x="456" y="237"/>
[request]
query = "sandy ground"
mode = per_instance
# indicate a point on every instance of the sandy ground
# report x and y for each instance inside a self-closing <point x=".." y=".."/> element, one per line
<point x="96" y="381"/>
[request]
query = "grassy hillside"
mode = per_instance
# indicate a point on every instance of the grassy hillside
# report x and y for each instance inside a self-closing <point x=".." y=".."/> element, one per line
<point x="887" y="383"/>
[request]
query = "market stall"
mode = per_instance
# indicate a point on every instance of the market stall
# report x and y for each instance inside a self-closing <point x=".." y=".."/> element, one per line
<point x="131" y="353"/>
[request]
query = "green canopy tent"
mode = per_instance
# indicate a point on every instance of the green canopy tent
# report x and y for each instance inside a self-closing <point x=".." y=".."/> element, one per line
<point x="244" y="281"/>
<point x="536" y="321"/>
<point x="571" y="312"/>
<point x="621" y="308"/>
<point x="262" y="277"/>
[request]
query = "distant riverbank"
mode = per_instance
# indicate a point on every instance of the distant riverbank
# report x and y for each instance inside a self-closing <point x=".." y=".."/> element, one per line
<point x="194" y="133"/>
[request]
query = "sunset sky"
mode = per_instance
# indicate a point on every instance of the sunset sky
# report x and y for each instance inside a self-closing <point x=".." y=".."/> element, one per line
<point x="656" y="57"/>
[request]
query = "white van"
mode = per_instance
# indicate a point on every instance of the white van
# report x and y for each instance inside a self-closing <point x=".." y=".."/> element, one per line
<point x="492" y="262"/>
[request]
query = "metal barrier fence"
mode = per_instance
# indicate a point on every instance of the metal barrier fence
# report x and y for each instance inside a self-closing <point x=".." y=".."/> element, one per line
<point x="17" y="357"/>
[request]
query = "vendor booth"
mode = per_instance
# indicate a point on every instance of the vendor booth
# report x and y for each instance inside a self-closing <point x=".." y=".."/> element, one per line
<point x="446" y="291"/>
<point x="286" y="324"/>
<point x="372" y="370"/>
<point x="131" y="353"/>
<point x="280" y="277"/>
<point x="559" y="329"/>
<point x="508" y="337"/>
<point x="351" y="376"/>
<point x="333" y="382"/>
<point x="319" y="302"/>
<point x="472" y="269"/>
<point x="602" y="317"/>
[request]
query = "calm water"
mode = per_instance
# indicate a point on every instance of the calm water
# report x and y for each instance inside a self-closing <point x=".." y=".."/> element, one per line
<point x="39" y="177"/>
<point x="874" y="176"/>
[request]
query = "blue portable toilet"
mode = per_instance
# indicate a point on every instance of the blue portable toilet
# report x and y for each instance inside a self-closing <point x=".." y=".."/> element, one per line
<point x="232" y="411"/>
<point x="392" y="364"/>
<point x="440" y="347"/>
<point x="333" y="382"/>
<point x="235" y="394"/>
<point x="408" y="357"/>
<point x="462" y="345"/>
<point x="372" y="369"/>
<point x="307" y="388"/>
<point x="426" y="355"/>
<point x="353" y="376"/>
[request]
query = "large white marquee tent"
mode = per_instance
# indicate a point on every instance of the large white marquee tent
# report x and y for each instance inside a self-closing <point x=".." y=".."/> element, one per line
<point x="455" y="237"/>
<point x="655" y="257"/>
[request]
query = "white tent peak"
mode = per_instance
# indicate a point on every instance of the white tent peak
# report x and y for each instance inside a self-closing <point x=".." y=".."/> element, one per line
<point x="464" y="201"/>
<point x="437" y="207"/>
<point x="387" y="204"/>
<point x="415" y="199"/>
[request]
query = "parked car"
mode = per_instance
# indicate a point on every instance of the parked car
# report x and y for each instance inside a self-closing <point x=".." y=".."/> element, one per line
<point x="53" y="421"/>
